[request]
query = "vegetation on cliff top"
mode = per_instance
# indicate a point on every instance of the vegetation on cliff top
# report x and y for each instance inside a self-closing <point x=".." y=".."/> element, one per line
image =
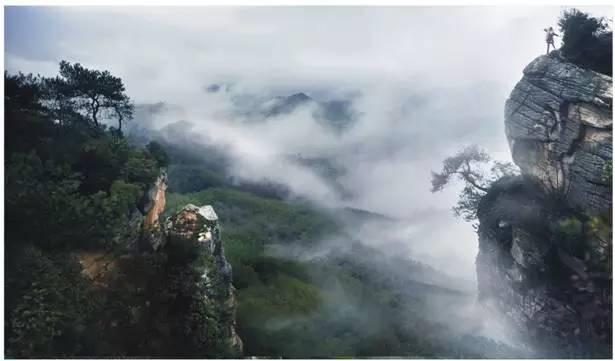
<point x="587" y="41"/>
<point x="71" y="183"/>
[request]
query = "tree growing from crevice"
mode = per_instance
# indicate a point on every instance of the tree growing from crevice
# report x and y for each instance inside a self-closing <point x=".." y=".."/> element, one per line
<point x="475" y="168"/>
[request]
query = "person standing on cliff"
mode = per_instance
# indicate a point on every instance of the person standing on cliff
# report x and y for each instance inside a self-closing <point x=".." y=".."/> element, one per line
<point x="550" y="38"/>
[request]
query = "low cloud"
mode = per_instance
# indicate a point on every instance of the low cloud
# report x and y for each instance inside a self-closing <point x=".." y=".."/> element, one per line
<point x="423" y="81"/>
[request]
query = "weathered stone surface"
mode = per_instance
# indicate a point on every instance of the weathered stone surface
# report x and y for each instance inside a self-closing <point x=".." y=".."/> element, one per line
<point x="523" y="272"/>
<point x="526" y="252"/>
<point x="142" y="231"/>
<point x="559" y="128"/>
<point x="200" y="225"/>
<point x="156" y="200"/>
<point x="152" y="237"/>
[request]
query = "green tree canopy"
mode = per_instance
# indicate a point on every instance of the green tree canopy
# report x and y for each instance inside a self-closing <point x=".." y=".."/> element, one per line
<point x="156" y="150"/>
<point x="587" y="41"/>
<point x="93" y="92"/>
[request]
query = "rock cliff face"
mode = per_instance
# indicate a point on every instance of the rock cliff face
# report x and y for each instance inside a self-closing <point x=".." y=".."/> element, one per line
<point x="542" y="263"/>
<point x="198" y="227"/>
<point x="151" y="237"/>
<point x="142" y="231"/>
<point x="559" y="127"/>
<point x="174" y="279"/>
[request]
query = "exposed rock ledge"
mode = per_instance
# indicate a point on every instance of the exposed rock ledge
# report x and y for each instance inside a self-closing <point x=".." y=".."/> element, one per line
<point x="560" y="301"/>
<point x="199" y="226"/>
<point x="559" y="128"/>
<point x="154" y="205"/>
<point x="192" y="237"/>
<point x="555" y="286"/>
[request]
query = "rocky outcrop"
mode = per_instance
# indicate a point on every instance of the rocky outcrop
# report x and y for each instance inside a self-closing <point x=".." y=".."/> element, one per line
<point x="559" y="128"/>
<point x="142" y="231"/>
<point x="173" y="280"/>
<point x="151" y="237"/>
<point x="195" y="228"/>
<point x="559" y="297"/>
<point x="542" y="260"/>
<point x="198" y="227"/>
<point x="156" y="201"/>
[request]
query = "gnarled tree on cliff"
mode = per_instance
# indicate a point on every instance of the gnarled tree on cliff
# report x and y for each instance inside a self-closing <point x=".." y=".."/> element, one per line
<point x="468" y="166"/>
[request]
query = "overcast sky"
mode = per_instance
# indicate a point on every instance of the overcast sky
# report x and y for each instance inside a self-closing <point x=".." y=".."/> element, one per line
<point x="427" y="81"/>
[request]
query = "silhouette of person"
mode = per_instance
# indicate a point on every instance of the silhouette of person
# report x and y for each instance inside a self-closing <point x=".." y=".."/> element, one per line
<point x="550" y="38"/>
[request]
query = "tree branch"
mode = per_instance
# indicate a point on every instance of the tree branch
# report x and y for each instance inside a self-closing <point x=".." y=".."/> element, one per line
<point x="466" y="174"/>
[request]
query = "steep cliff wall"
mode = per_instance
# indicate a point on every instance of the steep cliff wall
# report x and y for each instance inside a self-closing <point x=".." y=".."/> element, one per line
<point x="156" y="201"/>
<point x="166" y="291"/>
<point x="197" y="228"/>
<point x="151" y="236"/>
<point x="559" y="127"/>
<point x="545" y="237"/>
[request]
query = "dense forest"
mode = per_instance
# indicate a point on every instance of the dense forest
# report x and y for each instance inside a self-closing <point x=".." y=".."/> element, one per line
<point x="74" y="187"/>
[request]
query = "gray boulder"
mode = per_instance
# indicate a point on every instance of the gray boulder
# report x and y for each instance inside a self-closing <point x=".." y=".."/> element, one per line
<point x="559" y="127"/>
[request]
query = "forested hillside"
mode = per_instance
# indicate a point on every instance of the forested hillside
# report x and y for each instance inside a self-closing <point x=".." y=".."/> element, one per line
<point x="301" y="296"/>
<point x="78" y="279"/>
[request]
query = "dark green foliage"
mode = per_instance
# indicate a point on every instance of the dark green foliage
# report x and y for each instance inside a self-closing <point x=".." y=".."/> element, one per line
<point x="22" y="91"/>
<point x="100" y="162"/>
<point x="94" y="92"/>
<point x="156" y="150"/>
<point x="587" y="41"/>
<point x="70" y="186"/>
<point x="192" y="178"/>
<point x="607" y="173"/>
<point x="569" y="233"/>
<point x="347" y="304"/>
<point x="600" y="231"/>
<point x="48" y="304"/>
<point x="36" y="191"/>
<point x="267" y="288"/>
<point x="247" y="216"/>
<point x="140" y="168"/>
<point x="60" y="171"/>
<point x="587" y="237"/>
<point x="157" y="307"/>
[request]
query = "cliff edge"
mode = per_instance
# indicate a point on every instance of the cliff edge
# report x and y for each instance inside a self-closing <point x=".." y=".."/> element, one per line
<point x="171" y="282"/>
<point x="545" y="237"/>
<point x="197" y="228"/>
<point x="559" y="125"/>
